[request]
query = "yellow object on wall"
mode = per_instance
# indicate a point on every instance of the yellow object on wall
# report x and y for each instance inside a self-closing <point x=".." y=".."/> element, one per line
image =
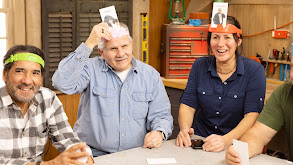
<point x="144" y="50"/>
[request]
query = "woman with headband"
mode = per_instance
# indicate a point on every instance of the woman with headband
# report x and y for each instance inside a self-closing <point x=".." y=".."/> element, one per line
<point x="226" y="89"/>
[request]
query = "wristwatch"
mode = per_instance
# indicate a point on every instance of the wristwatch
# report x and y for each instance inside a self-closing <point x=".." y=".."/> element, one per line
<point x="163" y="134"/>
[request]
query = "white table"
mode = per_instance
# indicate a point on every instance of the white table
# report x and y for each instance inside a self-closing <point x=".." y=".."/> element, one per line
<point x="183" y="156"/>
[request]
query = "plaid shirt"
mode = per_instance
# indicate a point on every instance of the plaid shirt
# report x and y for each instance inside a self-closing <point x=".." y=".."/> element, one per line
<point x="20" y="144"/>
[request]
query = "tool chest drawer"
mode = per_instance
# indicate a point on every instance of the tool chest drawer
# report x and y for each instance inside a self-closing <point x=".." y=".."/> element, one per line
<point x="181" y="45"/>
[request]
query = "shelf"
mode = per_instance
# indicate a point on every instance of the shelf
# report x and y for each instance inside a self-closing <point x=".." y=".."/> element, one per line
<point x="276" y="61"/>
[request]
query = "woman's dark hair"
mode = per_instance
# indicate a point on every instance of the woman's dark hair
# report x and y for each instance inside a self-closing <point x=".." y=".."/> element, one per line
<point x="22" y="49"/>
<point x="233" y="21"/>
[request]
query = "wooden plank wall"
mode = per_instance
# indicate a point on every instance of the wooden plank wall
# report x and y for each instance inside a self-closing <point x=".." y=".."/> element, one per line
<point x="256" y="17"/>
<point x="159" y="12"/>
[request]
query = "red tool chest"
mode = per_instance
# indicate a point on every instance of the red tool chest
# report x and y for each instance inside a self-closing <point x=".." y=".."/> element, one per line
<point x="181" y="45"/>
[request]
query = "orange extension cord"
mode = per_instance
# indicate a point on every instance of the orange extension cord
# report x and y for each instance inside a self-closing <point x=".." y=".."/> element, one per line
<point x="267" y="30"/>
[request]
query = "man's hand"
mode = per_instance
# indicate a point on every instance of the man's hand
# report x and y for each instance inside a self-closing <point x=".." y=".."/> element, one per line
<point x="90" y="160"/>
<point x="71" y="155"/>
<point x="98" y="32"/>
<point x="232" y="157"/>
<point x="183" y="138"/>
<point x="153" y="139"/>
<point x="214" y="143"/>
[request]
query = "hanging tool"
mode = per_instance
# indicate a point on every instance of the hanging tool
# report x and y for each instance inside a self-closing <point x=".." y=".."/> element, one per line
<point x="269" y="55"/>
<point x="276" y="63"/>
<point x="282" y="57"/>
<point x="272" y="58"/>
<point x="276" y="57"/>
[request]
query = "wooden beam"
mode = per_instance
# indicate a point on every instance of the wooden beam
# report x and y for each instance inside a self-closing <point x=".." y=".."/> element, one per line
<point x="261" y="2"/>
<point x="19" y="22"/>
<point x="33" y="23"/>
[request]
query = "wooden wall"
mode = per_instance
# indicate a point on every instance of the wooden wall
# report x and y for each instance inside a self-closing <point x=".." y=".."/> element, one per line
<point x="159" y="11"/>
<point x="258" y="16"/>
<point x="254" y="17"/>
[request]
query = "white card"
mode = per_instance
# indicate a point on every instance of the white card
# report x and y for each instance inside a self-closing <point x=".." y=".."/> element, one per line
<point x="219" y="15"/>
<point x="160" y="160"/>
<point x="242" y="149"/>
<point x="109" y="15"/>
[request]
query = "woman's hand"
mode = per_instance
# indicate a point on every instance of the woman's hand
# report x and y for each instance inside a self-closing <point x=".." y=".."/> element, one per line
<point x="214" y="143"/>
<point x="183" y="138"/>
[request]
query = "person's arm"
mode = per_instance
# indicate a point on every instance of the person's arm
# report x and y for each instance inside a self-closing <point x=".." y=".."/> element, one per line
<point x="253" y="104"/>
<point x="257" y="137"/>
<point x="159" y="118"/>
<point x="185" y="119"/>
<point x="72" y="75"/>
<point x="71" y="156"/>
<point x="61" y="134"/>
<point x="189" y="103"/>
<point x="216" y="143"/>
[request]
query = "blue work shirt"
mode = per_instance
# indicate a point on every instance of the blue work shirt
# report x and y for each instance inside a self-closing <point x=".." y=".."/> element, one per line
<point x="112" y="115"/>
<point x="222" y="105"/>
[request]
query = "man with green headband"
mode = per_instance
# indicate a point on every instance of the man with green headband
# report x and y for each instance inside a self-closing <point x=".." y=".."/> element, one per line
<point x="29" y="114"/>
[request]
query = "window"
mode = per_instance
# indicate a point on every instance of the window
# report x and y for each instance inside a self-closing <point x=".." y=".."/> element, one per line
<point x="3" y="38"/>
<point x="67" y="23"/>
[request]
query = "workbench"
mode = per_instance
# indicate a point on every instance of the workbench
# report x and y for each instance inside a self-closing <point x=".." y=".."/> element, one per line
<point x="183" y="156"/>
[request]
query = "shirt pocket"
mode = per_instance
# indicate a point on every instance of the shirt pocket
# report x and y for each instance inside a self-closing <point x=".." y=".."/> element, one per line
<point x="205" y="98"/>
<point x="42" y="135"/>
<point x="141" y="104"/>
<point x="104" y="101"/>
<point x="236" y="98"/>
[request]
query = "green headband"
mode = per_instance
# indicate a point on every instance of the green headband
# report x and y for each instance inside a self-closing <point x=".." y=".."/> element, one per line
<point x="26" y="57"/>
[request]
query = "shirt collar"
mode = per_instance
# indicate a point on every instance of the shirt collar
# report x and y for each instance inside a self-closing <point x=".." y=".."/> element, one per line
<point x="7" y="99"/>
<point x="239" y="67"/>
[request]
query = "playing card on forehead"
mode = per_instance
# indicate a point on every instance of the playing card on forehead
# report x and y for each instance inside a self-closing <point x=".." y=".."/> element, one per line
<point x="219" y="15"/>
<point x="109" y="15"/>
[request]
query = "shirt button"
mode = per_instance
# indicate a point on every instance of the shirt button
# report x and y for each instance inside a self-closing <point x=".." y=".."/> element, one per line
<point x="25" y="153"/>
<point x="122" y="89"/>
<point x="204" y="93"/>
<point x="260" y="99"/>
<point x="122" y="104"/>
<point x="235" y="96"/>
<point x="84" y="50"/>
<point x="225" y="83"/>
<point x="122" y="135"/>
<point x="217" y="113"/>
<point x="216" y="127"/>
<point x="103" y="94"/>
<point x="123" y="119"/>
<point x="220" y="98"/>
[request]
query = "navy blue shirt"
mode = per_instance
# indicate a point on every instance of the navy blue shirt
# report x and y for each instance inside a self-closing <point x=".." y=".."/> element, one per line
<point x="222" y="105"/>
